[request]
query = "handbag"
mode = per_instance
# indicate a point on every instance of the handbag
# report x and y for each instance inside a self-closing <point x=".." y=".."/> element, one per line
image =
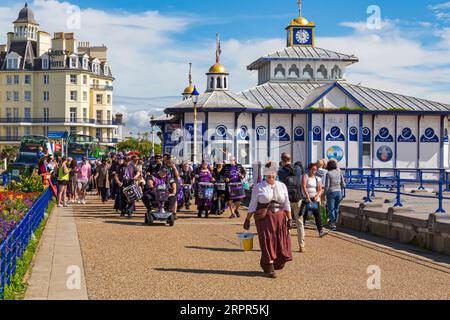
<point x="312" y="205"/>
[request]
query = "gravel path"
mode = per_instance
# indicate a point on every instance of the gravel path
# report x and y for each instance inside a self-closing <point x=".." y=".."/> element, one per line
<point x="201" y="259"/>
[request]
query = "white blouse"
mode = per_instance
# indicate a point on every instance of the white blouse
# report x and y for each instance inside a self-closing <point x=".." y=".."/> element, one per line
<point x="264" y="193"/>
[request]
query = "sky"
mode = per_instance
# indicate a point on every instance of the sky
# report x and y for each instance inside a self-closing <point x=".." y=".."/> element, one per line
<point x="403" y="46"/>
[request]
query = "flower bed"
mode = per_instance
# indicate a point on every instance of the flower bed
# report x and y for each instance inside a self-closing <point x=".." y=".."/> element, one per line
<point x="14" y="206"/>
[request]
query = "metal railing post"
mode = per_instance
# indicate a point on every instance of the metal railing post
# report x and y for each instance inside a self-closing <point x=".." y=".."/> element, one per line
<point x="446" y="182"/>
<point x="421" y="180"/>
<point x="368" y="190"/>
<point x="440" y="196"/>
<point x="372" y="178"/>
<point x="398" y="202"/>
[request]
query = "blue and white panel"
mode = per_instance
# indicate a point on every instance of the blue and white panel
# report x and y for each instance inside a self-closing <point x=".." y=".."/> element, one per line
<point x="220" y="136"/>
<point x="384" y="143"/>
<point x="429" y="137"/>
<point x="300" y="136"/>
<point x="353" y="141"/>
<point x="280" y="135"/>
<point x="244" y="139"/>
<point x="446" y="143"/>
<point x="261" y="136"/>
<point x="318" y="137"/>
<point x="335" y="138"/>
<point x="407" y="140"/>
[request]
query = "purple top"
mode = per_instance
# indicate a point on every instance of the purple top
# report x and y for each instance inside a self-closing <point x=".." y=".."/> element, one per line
<point x="204" y="176"/>
<point x="234" y="174"/>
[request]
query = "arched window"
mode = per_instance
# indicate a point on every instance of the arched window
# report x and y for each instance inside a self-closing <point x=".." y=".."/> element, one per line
<point x="219" y="83"/>
<point x="322" y="72"/>
<point x="336" y="72"/>
<point x="308" y="72"/>
<point x="225" y="83"/>
<point x="280" y="72"/>
<point x="211" y="84"/>
<point x="294" y="71"/>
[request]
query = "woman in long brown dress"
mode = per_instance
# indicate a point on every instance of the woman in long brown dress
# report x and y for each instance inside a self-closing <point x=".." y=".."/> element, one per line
<point x="272" y="210"/>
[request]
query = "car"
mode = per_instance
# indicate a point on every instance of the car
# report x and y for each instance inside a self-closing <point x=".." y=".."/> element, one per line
<point x="25" y="164"/>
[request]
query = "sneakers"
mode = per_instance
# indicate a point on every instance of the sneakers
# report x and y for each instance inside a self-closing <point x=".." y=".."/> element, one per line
<point x="233" y="216"/>
<point x="237" y="214"/>
<point x="323" y="233"/>
<point x="302" y="249"/>
<point x="78" y="201"/>
<point x="59" y="205"/>
<point x="333" y="228"/>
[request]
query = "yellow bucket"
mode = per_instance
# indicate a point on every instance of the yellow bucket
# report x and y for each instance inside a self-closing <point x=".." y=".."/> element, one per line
<point x="246" y="241"/>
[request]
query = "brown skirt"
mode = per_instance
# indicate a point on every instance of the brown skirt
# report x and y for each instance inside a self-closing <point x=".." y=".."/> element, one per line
<point x="274" y="240"/>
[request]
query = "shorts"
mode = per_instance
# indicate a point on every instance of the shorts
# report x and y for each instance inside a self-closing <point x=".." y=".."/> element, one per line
<point x="83" y="185"/>
<point x="63" y="183"/>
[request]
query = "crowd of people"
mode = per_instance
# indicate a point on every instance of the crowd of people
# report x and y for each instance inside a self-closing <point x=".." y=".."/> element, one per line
<point x="284" y="198"/>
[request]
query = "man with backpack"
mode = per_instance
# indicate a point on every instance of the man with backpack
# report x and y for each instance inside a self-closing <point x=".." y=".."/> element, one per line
<point x="291" y="176"/>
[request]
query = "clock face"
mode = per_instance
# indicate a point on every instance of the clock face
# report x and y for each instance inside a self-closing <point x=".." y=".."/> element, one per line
<point x="302" y="36"/>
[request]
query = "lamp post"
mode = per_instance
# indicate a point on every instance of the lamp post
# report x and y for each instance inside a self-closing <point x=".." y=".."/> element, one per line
<point x="153" y="136"/>
<point x="194" y="97"/>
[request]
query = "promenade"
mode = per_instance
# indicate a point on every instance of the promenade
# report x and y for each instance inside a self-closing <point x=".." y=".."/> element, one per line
<point x="201" y="259"/>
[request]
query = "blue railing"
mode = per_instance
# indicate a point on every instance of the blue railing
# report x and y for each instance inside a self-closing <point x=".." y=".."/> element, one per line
<point x="394" y="180"/>
<point x="13" y="247"/>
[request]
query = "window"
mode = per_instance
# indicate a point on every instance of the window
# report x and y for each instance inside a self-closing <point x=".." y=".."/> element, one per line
<point x="27" y="131"/>
<point x="16" y="95"/>
<point x="85" y="96"/>
<point x="15" y="132"/>
<point x="73" y="114"/>
<point x="106" y="70"/>
<point x="9" y="114"/>
<point x="99" y="116"/>
<point x="12" y="63"/>
<point x="108" y="98"/>
<point x="85" y="115"/>
<point x="45" y="63"/>
<point x="27" y="114"/>
<point x="85" y="64"/>
<point x="84" y="79"/>
<point x="99" y="99"/>
<point x="73" y="62"/>
<point x="73" y="130"/>
<point x="16" y="114"/>
<point x="27" y="79"/>
<point x="367" y="157"/>
<point x="46" y="114"/>
<point x="16" y="79"/>
<point x="73" y="79"/>
<point x="9" y="80"/>
<point x="46" y="96"/>
<point x="8" y="95"/>
<point x="45" y="131"/>
<point x="98" y="133"/>
<point x="108" y="116"/>
<point x="46" y="79"/>
<point x="27" y="95"/>
<point x="8" y="132"/>
<point x="73" y="95"/>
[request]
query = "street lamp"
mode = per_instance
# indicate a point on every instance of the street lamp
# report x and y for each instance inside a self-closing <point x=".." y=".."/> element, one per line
<point x="194" y="97"/>
<point x="153" y="135"/>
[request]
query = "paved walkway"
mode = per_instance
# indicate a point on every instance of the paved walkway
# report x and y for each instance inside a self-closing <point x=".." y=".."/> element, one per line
<point x="58" y="272"/>
<point x="201" y="259"/>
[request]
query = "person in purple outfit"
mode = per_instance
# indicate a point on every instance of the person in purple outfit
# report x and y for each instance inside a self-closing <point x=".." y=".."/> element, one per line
<point x="203" y="175"/>
<point x="233" y="173"/>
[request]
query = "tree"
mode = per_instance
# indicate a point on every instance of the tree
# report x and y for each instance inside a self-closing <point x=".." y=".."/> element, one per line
<point x="144" y="146"/>
<point x="9" y="153"/>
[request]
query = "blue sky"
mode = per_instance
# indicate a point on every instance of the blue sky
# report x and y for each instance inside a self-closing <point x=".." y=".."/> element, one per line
<point x="151" y="42"/>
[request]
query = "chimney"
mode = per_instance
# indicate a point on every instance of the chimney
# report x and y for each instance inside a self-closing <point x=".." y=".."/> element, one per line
<point x="71" y="44"/>
<point x="10" y="37"/>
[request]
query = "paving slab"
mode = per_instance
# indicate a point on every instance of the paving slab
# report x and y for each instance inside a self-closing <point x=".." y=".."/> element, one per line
<point x="58" y="271"/>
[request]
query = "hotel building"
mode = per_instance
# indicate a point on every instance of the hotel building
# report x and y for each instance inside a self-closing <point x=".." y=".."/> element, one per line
<point x="53" y="84"/>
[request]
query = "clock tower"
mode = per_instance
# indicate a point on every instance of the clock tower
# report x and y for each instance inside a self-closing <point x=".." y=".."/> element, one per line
<point x="300" y="32"/>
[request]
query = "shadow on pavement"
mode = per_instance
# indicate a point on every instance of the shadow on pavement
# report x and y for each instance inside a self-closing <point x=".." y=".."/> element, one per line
<point x="251" y="274"/>
<point x="215" y="249"/>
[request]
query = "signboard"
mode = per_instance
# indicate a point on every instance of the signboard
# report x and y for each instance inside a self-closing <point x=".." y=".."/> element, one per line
<point x="335" y="135"/>
<point x="335" y="152"/>
<point x="407" y="136"/>
<point x="384" y="136"/>
<point x="385" y="154"/>
<point x="429" y="136"/>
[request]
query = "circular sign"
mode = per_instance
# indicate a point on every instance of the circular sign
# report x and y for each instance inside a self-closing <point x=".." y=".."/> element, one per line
<point x="317" y="130"/>
<point x="353" y="131"/>
<point x="429" y="133"/>
<point x="384" y="133"/>
<point x="299" y="131"/>
<point x="406" y="133"/>
<point x="335" y="152"/>
<point x="221" y="131"/>
<point x="243" y="132"/>
<point x="335" y="132"/>
<point x="280" y="132"/>
<point x="261" y="131"/>
<point x="384" y="154"/>
<point x="366" y="131"/>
